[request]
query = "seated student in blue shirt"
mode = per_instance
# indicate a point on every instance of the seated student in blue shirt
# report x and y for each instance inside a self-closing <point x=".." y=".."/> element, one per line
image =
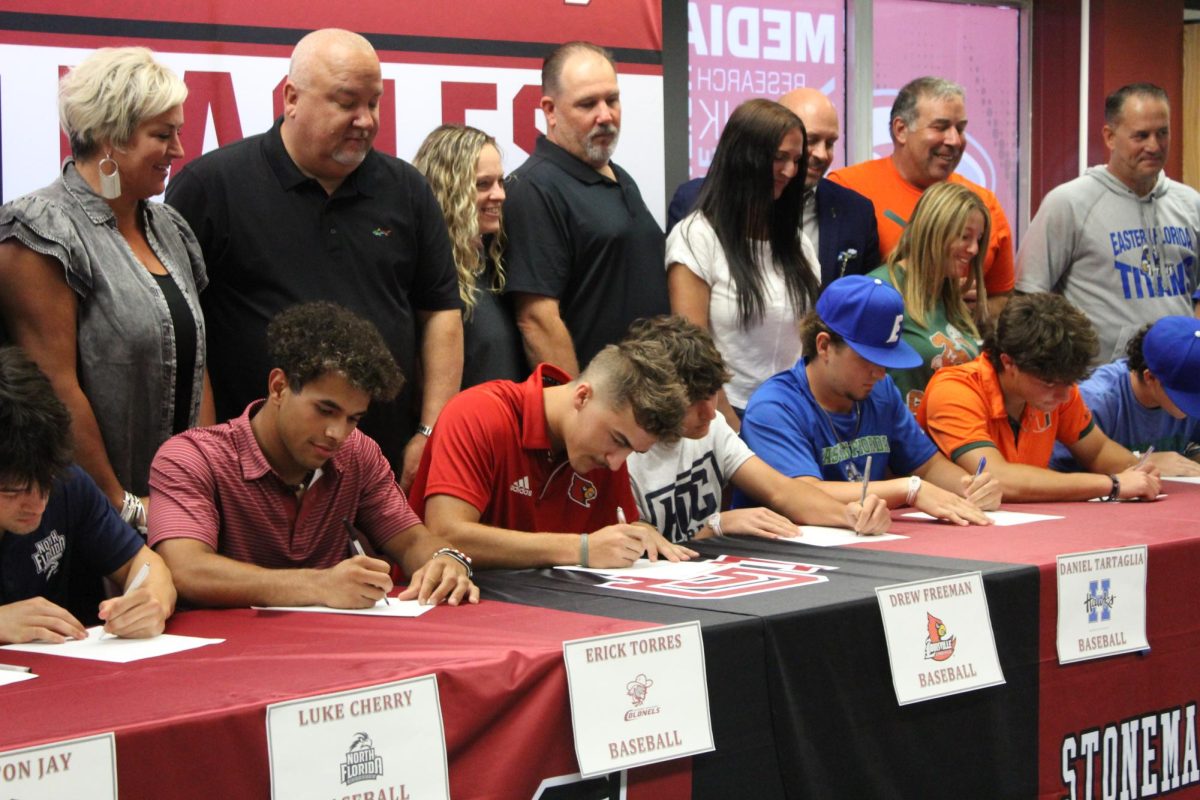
<point x="1150" y="398"/>
<point x="59" y="535"/>
<point x="823" y="418"/>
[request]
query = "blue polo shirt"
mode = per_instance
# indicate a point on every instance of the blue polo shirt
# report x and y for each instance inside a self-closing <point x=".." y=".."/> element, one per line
<point x="80" y="540"/>
<point x="785" y="427"/>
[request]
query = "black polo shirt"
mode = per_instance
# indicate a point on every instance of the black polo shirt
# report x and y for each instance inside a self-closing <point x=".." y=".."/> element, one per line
<point x="273" y="238"/>
<point x="575" y="235"/>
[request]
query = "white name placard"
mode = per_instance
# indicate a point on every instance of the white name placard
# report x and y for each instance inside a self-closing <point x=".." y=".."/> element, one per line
<point x="385" y="742"/>
<point x="1101" y="603"/>
<point x="638" y="698"/>
<point x="939" y="637"/>
<point x="84" y="767"/>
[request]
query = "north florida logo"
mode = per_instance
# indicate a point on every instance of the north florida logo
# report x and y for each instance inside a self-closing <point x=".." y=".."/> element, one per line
<point x="731" y="576"/>
<point x="581" y="490"/>
<point x="1099" y="600"/>
<point x="361" y="763"/>
<point x="48" y="553"/>
<point x="938" y="646"/>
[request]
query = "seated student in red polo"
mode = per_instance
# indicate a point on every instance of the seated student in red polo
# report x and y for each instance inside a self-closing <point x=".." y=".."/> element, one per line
<point x="1018" y="397"/>
<point x="59" y="535"/>
<point x="255" y="511"/>
<point x="533" y="474"/>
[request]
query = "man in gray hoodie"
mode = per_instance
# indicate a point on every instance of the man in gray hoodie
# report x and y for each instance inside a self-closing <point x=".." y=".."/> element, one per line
<point x="1120" y="241"/>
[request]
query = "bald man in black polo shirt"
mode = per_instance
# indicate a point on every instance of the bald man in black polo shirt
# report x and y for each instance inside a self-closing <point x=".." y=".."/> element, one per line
<point x="310" y="210"/>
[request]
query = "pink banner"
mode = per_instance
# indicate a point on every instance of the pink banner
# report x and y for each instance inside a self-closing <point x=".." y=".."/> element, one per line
<point x="744" y="51"/>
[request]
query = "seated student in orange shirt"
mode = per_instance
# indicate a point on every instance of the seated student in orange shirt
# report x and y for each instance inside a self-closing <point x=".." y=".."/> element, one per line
<point x="1018" y="397"/>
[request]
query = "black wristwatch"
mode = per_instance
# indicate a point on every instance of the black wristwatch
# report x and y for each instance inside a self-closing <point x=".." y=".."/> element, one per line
<point x="1116" y="490"/>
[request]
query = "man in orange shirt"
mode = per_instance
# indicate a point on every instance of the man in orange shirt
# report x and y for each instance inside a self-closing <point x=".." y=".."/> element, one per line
<point x="1018" y="397"/>
<point x="928" y="127"/>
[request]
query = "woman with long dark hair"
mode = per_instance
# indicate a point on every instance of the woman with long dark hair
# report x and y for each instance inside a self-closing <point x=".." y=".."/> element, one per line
<point x="739" y="264"/>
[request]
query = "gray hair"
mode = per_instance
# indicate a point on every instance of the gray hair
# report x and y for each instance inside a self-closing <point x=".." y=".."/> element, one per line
<point x="110" y="93"/>
<point x="905" y="105"/>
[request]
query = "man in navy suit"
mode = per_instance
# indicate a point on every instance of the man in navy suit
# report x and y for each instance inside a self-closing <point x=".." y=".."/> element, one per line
<point x="842" y="229"/>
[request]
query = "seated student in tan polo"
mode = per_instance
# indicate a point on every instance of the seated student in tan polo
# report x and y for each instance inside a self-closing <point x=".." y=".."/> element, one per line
<point x="1018" y="397"/>
<point x="533" y="474"/>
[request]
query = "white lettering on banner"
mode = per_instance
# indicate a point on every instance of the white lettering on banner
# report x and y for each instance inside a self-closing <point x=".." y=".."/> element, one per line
<point x="233" y="95"/>
<point x="1147" y="755"/>
<point x="799" y="37"/>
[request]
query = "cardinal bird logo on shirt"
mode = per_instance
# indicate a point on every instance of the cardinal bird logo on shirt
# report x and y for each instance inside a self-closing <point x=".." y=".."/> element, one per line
<point x="582" y="490"/>
<point x="938" y="646"/>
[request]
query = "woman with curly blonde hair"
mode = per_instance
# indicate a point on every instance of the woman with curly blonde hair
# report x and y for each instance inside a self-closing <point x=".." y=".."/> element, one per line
<point x="462" y="165"/>
<point x="937" y="267"/>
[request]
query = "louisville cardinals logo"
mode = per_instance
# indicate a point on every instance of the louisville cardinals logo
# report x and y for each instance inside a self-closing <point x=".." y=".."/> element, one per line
<point x="581" y="490"/>
<point x="938" y="646"/>
<point x="730" y="576"/>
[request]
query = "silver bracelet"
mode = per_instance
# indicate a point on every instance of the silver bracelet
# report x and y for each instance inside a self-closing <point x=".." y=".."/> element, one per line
<point x="583" y="550"/>
<point x="133" y="513"/>
<point x="457" y="555"/>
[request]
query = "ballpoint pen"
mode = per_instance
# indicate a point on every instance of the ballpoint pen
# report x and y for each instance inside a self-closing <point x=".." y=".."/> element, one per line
<point x="356" y="549"/>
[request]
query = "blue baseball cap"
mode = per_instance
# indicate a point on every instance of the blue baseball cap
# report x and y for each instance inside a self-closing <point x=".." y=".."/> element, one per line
<point x="1172" y="352"/>
<point x="869" y="315"/>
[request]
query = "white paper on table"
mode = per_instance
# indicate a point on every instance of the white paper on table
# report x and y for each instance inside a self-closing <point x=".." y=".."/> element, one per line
<point x="393" y="608"/>
<point x="1001" y="518"/>
<point x="822" y="536"/>
<point x="645" y="568"/>
<point x="1182" y="479"/>
<point x="13" y="676"/>
<point x="112" y="649"/>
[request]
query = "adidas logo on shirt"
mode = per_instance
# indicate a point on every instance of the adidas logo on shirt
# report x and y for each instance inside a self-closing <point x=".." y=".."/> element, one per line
<point x="521" y="486"/>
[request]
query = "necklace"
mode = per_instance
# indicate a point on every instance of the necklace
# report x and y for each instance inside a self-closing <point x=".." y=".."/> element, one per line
<point x="849" y="469"/>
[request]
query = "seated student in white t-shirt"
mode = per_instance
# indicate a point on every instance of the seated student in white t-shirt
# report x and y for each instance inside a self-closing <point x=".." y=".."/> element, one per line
<point x="678" y="486"/>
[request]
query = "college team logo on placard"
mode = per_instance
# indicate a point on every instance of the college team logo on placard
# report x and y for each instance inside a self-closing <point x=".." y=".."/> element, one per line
<point x="730" y="576"/>
<point x="361" y="764"/>
<point x="1099" y="601"/>
<point x="938" y="645"/>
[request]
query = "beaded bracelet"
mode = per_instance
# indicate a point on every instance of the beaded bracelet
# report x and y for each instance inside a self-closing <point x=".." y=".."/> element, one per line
<point x="459" y="556"/>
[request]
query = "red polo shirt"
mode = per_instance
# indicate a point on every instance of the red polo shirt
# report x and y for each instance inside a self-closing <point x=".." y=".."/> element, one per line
<point x="491" y="448"/>
<point x="214" y="484"/>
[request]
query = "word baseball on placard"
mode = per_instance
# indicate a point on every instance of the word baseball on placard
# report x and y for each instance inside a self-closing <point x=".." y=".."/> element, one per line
<point x="638" y="698"/>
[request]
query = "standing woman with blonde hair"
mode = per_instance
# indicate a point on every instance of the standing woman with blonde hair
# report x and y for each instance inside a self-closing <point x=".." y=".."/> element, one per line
<point x="936" y="267"/>
<point x="462" y="165"/>
<point x="100" y="286"/>
<point x="739" y="264"/>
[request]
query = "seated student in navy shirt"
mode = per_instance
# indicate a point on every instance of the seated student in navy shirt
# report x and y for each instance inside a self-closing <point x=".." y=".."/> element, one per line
<point x="823" y="418"/>
<point x="59" y="535"/>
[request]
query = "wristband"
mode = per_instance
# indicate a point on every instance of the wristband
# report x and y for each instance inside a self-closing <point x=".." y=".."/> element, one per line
<point x="459" y="556"/>
<point x="914" y="486"/>
<point x="1116" y="490"/>
<point x="425" y="430"/>
<point x="714" y="522"/>
<point x="583" y="553"/>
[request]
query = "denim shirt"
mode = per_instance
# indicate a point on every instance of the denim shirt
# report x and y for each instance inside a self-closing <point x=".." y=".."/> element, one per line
<point x="125" y="340"/>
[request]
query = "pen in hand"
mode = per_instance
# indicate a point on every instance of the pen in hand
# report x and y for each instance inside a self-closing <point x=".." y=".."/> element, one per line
<point x="356" y="549"/>
<point x="621" y="516"/>
<point x="139" y="578"/>
<point x="866" y="480"/>
<point x="981" y="467"/>
<point x="1145" y="455"/>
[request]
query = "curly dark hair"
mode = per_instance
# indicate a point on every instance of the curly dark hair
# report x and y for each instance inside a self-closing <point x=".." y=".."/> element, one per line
<point x="695" y="356"/>
<point x="36" y="445"/>
<point x="309" y="340"/>
<point x="1045" y="336"/>
<point x="1133" y="350"/>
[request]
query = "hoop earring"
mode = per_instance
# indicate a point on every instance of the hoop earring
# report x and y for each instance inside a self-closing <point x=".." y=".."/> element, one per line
<point x="110" y="183"/>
